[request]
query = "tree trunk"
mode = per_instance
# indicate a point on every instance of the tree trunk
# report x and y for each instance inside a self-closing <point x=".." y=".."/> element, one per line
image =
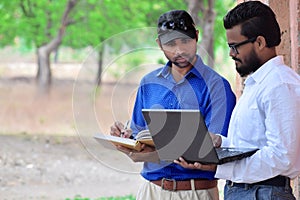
<point x="43" y="76"/>
<point x="207" y="24"/>
<point x="44" y="72"/>
<point x="100" y="65"/>
<point x="194" y="7"/>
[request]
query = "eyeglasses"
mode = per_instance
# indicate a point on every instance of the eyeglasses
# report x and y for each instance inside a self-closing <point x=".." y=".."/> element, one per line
<point x="178" y="24"/>
<point x="235" y="46"/>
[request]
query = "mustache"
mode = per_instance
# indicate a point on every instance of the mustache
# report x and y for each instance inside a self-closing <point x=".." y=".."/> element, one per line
<point x="180" y="56"/>
<point x="236" y="59"/>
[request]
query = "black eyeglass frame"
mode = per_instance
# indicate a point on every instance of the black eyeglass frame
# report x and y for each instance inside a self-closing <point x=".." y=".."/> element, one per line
<point x="235" y="46"/>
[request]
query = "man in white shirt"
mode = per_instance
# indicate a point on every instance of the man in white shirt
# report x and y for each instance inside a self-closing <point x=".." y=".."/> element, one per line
<point x="266" y="116"/>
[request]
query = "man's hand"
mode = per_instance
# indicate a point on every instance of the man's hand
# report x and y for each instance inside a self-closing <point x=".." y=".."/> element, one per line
<point x="196" y="165"/>
<point x="216" y="139"/>
<point x="118" y="129"/>
<point x="147" y="154"/>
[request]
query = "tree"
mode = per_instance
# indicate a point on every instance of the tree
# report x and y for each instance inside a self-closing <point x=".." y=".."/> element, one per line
<point x="41" y="25"/>
<point x="44" y="51"/>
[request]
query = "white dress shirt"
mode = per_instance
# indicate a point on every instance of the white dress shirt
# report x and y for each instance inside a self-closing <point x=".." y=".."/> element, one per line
<point x="267" y="116"/>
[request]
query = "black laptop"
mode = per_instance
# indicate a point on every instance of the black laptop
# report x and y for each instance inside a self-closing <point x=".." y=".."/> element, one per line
<point x="183" y="133"/>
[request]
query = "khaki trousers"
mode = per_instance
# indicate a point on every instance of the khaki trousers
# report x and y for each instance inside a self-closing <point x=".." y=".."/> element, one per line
<point x="150" y="191"/>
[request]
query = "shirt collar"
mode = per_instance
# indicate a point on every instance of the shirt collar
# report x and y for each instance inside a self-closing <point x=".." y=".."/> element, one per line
<point x="264" y="70"/>
<point x="165" y="71"/>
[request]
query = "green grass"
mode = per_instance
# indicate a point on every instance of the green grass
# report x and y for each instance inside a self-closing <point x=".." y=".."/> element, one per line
<point x="78" y="197"/>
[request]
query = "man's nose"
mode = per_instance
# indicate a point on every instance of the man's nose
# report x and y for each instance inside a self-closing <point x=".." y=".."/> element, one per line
<point x="232" y="52"/>
<point x="179" y="50"/>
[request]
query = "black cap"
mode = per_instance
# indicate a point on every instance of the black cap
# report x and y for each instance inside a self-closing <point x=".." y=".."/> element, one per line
<point x="175" y="24"/>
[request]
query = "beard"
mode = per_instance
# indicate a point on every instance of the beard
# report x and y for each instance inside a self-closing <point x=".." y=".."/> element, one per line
<point x="249" y="65"/>
<point x="185" y="64"/>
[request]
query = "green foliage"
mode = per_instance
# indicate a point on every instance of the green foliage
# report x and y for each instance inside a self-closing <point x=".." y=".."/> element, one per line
<point x="103" y="19"/>
<point x="161" y="61"/>
<point x="78" y="197"/>
<point x="37" y="22"/>
<point x="93" y="22"/>
<point x="221" y="8"/>
<point x="8" y="22"/>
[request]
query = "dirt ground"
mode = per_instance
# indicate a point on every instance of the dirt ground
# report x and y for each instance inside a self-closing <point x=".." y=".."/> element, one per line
<point x="56" y="167"/>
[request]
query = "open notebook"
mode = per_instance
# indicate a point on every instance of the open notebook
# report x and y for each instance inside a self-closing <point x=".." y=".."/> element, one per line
<point x="142" y="137"/>
<point x="183" y="133"/>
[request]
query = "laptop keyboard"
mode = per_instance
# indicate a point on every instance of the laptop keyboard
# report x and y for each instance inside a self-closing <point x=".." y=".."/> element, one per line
<point x="225" y="152"/>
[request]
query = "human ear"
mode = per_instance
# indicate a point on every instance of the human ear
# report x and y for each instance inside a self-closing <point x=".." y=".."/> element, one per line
<point x="261" y="41"/>
<point x="158" y="43"/>
<point x="197" y="35"/>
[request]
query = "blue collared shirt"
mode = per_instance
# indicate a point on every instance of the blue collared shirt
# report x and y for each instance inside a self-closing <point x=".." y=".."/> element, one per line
<point x="201" y="88"/>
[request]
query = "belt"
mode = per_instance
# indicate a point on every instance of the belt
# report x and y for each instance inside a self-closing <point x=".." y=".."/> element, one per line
<point x="174" y="185"/>
<point x="279" y="181"/>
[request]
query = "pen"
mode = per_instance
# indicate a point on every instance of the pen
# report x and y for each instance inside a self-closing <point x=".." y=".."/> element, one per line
<point x="125" y="127"/>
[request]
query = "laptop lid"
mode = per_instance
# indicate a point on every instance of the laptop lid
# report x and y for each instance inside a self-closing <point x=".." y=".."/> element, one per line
<point x="183" y="133"/>
<point x="180" y="133"/>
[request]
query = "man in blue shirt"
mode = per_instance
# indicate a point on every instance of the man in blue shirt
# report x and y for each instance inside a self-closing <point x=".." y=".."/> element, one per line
<point x="185" y="82"/>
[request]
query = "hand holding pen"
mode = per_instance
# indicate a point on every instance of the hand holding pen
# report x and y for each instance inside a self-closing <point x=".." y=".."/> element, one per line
<point x="120" y="130"/>
<point x="126" y="131"/>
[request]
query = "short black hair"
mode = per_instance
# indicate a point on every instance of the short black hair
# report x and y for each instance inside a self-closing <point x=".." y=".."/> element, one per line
<point x="256" y="19"/>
